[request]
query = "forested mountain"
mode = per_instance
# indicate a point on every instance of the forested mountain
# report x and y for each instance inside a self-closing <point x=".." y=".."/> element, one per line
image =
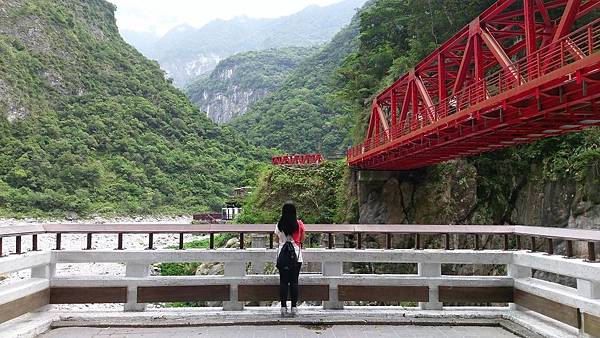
<point x="242" y="79"/>
<point x="303" y="116"/>
<point x="186" y="52"/>
<point x="88" y="125"/>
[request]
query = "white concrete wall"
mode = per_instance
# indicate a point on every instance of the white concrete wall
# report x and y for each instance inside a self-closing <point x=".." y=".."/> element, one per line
<point x="519" y="263"/>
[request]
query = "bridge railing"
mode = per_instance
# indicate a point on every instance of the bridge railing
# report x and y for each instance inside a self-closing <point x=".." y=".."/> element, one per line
<point x="520" y="75"/>
<point x="333" y="284"/>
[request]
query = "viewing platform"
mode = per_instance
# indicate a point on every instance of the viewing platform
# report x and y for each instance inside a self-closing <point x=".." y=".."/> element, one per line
<point x="513" y="300"/>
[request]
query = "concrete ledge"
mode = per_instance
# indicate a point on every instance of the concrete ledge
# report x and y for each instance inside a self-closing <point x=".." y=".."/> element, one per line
<point x="347" y="279"/>
<point x="576" y="268"/>
<point x="29" y="325"/>
<point x="559" y="293"/>
<point x="266" y="255"/>
<point x="24" y="261"/>
<point x="12" y="292"/>
<point x="520" y="323"/>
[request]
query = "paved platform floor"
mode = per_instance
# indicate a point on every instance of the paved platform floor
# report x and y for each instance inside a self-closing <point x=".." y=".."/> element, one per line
<point x="291" y="331"/>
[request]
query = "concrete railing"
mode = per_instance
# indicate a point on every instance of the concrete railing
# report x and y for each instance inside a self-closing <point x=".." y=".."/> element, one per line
<point x="509" y="234"/>
<point x="429" y="288"/>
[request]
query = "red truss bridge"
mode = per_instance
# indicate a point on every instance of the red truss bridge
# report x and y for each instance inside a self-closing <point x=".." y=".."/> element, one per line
<point x="519" y="72"/>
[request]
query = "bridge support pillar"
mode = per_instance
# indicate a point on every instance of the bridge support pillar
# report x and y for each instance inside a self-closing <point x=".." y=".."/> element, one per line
<point x="518" y="272"/>
<point x="234" y="269"/>
<point x="135" y="270"/>
<point x="431" y="270"/>
<point x="333" y="269"/>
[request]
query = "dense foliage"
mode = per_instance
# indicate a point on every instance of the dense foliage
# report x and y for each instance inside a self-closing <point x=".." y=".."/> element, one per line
<point x="314" y="190"/>
<point x="242" y="79"/>
<point x="88" y="125"/>
<point x="303" y="116"/>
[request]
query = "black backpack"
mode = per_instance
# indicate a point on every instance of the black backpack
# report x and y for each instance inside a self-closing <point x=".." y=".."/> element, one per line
<point x="287" y="259"/>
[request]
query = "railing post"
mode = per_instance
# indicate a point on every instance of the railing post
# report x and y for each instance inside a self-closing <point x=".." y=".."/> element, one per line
<point x="569" y="249"/>
<point x="211" y="241"/>
<point x="431" y="270"/>
<point x="590" y="290"/>
<point x="89" y="242"/>
<point x="58" y="241"/>
<point x="591" y="250"/>
<point x="388" y="241"/>
<point x="46" y="271"/>
<point x="518" y="272"/>
<point x="18" y="245"/>
<point x="477" y="242"/>
<point x="136" y="270"/>
<point x="259" y="241"/>
<point x="533" y="244"/>
<point x="418" y="241"/>
<point x="329" y="240"/>
<point x="120" y="241"/>
<point x="271" y="240"/>
<point x="234" y="269"/>
<point x="181" y="241"/>
<point x="538" y="65"/>
<point x="590" y="38"/>
<point x="150" y="241"/>
<point x="1" y="254"/>
<point x="549" y="246"/>
<point x="333" y="269"/>
<point x="34" y="242"/>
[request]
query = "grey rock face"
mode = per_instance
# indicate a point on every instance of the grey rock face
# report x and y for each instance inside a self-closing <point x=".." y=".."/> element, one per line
<point x="450" y="196"/>
<point x="243" y="79"/>
<point x="182" y="71"/>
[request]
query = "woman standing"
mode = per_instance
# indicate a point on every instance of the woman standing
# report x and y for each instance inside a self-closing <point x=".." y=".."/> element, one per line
<point x="289" y="228"/>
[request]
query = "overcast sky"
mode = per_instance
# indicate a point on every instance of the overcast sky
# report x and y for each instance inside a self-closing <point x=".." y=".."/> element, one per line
<point x="159" y="16"/>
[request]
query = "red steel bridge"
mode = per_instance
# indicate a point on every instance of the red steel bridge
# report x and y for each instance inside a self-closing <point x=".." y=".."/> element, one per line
<point x="521" y="71"/>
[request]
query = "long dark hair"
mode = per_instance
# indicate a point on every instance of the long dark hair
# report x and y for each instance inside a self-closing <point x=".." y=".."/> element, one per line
<point x="288" y="222"/>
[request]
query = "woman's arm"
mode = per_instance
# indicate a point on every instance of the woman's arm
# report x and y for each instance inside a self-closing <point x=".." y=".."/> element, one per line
<point x="302" y="231"/>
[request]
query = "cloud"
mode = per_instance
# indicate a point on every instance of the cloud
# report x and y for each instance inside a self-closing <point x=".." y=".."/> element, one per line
<point x="159" y="16"/>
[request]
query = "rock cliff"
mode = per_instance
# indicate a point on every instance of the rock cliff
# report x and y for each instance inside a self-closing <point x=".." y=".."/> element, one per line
<point x="241" y="80"/>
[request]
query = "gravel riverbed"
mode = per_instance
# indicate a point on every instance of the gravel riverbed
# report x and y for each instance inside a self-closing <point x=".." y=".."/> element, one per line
<point x="99" y="241"/>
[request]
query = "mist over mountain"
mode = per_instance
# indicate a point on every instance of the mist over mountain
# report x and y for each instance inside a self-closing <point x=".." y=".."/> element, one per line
<point x="142" y="41"/>
<point x="186" y="52"/>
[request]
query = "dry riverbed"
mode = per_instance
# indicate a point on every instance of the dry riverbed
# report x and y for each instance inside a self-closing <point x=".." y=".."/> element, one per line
<point x="109" y="241"/>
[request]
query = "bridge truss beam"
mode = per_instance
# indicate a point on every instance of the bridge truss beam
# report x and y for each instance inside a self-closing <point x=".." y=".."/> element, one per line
<point x="519" y="69"/>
